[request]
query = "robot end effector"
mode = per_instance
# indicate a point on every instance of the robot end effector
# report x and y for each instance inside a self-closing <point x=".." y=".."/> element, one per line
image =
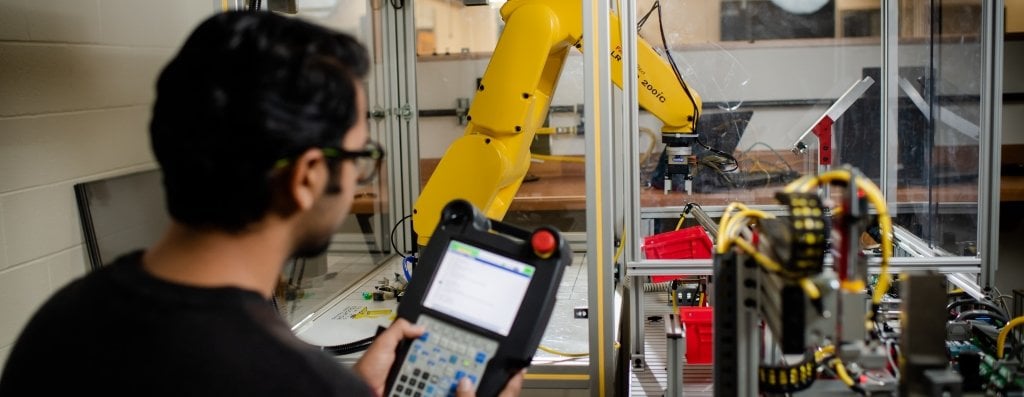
<point x="679" y="159"/>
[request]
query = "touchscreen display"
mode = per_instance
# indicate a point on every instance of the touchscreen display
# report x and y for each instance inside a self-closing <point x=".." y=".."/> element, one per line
<point x="479" y="287"/>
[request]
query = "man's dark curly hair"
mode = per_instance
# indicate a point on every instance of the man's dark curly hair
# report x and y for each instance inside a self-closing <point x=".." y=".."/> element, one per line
<point x="248" y="89"/>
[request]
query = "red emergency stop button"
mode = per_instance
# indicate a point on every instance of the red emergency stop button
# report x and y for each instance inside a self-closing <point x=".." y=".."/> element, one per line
<point x="544" y="243"/>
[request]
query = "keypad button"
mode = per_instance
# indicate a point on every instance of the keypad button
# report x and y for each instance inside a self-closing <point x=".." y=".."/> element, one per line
<point x="399" y="388"/>
<point x="440" y="357"/>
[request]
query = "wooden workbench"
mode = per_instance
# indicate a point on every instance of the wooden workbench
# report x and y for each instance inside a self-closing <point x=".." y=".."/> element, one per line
<point x="561" y="186"/>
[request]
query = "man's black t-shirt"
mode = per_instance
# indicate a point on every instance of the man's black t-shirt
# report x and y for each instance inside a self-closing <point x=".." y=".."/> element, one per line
<point x="121" y="331"/>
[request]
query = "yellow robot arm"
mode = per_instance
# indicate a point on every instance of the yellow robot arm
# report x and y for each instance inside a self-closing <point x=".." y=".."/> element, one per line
<point x="487" y="164"/>
<point x="659" y="90"/>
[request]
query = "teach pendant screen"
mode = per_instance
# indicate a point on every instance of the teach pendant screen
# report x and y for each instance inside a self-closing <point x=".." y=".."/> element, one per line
<point x="479" y="287"/>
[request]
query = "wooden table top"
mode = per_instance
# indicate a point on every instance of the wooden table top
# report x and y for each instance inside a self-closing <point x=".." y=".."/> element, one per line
<point x="569" y="192"/>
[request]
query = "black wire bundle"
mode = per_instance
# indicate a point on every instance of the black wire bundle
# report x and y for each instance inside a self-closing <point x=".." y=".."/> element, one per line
<point x="395" y="228"/>
<point x="991" y="306"/>
<point x="363" y="344"/>
<point x="672" y="62"/>
<point x="720" y="162"/>
<point x="973" y="314"/>
<point x="643" y="20"/>
<point x="349" y="348"/>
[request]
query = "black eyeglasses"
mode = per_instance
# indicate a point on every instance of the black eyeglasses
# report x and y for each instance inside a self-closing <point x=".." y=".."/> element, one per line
<point x="366" y="161"/>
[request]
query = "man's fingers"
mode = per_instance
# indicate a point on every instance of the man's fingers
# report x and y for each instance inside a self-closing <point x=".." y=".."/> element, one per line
<point x="410" y="330"/>
<point x="512" y="389"/>
<point x="403" y="329"/>
<point x="465" y="388"/>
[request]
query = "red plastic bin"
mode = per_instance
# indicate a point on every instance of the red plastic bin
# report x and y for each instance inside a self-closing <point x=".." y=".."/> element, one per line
<point x="700" y="334"/>
<point x="688" y="243"/>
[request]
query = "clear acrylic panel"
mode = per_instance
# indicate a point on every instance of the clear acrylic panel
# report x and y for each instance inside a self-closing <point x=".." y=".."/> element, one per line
<point x="361" y="243"/>
<point x="454" y="46"/>
<point x="767" y="72"/>
<point x="936" y="168"/>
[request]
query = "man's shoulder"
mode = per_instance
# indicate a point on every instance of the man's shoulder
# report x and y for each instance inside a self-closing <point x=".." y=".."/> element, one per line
<point x="78" y="293"/>
<point x="82" y="291"/>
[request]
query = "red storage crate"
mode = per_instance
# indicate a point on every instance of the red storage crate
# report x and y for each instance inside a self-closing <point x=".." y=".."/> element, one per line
<point x="688" y="243"/>
<point x="700" y="334"/>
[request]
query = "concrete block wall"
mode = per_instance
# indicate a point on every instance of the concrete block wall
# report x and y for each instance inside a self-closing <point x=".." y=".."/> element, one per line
<point x="76" y="86"/>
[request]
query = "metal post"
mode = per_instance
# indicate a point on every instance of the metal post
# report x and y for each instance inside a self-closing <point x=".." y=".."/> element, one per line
<point x="990" y="141"/>
<point x="676" y="350"/>
<point x="704" y="220"/>
<point x="890" y="102"/>
<point x="630" y="126"/>
<point x="600" y="226"/>
<point x="397" y="64"/>
<point x="748" y="336"/>
<point x="227" y="5"/>
<point x="408" y="138"/>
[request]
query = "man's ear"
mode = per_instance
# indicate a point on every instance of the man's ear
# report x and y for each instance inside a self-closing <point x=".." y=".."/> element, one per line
<point x="307" y="178"/>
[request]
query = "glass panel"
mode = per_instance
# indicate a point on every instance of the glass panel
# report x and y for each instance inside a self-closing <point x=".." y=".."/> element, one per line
<point x="767" y="72"/>
<point x="939" y="101"/>
<point x="446" y="28"/>
<point x="361" y="242"/>
<point x="764" y="84"/>
<point x="455" y="43"/>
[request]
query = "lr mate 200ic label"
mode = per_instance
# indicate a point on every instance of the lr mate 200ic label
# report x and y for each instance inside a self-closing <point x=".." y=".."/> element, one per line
<point x="653" y="90"/>
<point x="617" y="56"/>
<point x="617" y="53"/>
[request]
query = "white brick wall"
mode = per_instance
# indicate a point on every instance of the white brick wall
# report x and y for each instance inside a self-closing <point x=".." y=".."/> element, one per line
<point x="77" y="79"/>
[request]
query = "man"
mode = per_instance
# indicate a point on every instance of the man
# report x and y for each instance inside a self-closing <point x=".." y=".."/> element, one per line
<point x="260" y="130"/>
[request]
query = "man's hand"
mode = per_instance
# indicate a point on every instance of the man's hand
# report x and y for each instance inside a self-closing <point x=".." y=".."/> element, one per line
<point x="375" y="364"/>
<point x="512" y="388"/>
<point x="373" y="367"/>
